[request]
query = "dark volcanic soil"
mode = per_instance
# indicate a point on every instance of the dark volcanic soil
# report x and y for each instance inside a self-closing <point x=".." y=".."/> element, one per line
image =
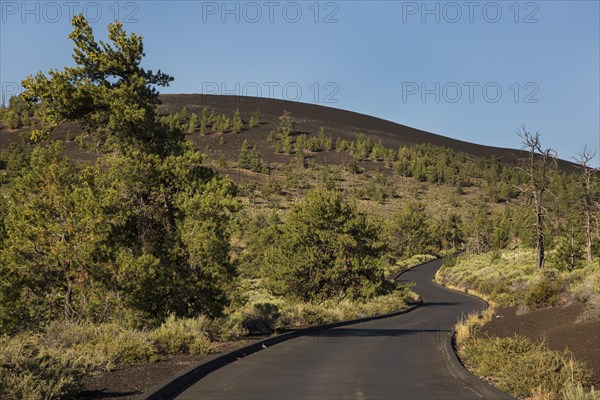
<point x="131" y="380"/>
<point x="309" y="118"/>
<point x="558" y="326"/>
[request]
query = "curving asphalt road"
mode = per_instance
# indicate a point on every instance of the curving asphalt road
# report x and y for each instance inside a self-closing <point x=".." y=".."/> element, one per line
<point x="403" y="357"/>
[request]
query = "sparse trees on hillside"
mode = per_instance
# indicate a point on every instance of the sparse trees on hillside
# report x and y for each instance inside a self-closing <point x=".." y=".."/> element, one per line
<point x="537" y="166"/>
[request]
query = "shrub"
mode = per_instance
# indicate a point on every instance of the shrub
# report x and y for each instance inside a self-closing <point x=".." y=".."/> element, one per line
<point x="261" y="318"/>
<point x="546" y="292"/>
<point x="592" y="309"/>
<point x="353" y="167"/>
<point x="578" y="392"/>
<point x="30" y="372"/>
<point x="252" y="160"/>
<point x="519" y="366"/>
<point x="99" y="346"/>
<point x="254" y="119"/>
<point x="11" y="119"/>
<point x="449" y="261"/>
<point x="286" y="124"/>
<point x="187" y="335"/>
<point x="304" y="314"/>
<point x="327" y="249"/>
<point x="192" y="124"/>
<point x="237" y="123"/>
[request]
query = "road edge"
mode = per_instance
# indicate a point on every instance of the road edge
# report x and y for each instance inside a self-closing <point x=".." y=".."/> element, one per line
<point x="176" y="384"/>
<point x="460" y="372"/>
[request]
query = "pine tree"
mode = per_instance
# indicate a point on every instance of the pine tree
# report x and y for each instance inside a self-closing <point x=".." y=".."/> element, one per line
<point x="237" y="122"/>
<point x="106" y="89"/>
<point x="327" y="249"/>
<point x="192" y="125"/>
<point x="286" y="124"/>
<point x="287" y="145"/>
<point x="254" y="119"/>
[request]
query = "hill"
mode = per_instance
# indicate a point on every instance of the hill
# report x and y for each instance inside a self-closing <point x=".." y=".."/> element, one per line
<point x="336" y="123"/>
<point x="309" y="119"/>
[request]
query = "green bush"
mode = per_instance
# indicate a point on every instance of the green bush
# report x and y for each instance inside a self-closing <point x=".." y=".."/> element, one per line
<point x="30" y="372"/>
<point x="546" y="291"/>
<point x="305" y="314"/>
<point x="327" y="250"/>
<point x="11" y="119"/>
<point x="188" y="335"/>
<point x="518" y="366"/>
<point x="99" y="346"/>
<point x="261" y="318"/>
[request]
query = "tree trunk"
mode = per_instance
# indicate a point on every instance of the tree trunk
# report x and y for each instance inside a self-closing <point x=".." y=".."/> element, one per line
<point x="539" y="239"/>
<point x="69" y="300"/>
<point x="588" y="234"/>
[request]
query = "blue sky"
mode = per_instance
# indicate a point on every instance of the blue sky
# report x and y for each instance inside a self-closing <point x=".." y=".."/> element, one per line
<point x="470" y="70"/>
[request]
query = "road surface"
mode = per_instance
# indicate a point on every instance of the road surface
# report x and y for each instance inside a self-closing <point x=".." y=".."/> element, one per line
<point x="401" y="357"/>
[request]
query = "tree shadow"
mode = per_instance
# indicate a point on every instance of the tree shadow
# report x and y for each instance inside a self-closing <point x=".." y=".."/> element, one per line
<point x="105" y="394"/>
<point x="441" y="303"/>
<point x="366" y="332"/>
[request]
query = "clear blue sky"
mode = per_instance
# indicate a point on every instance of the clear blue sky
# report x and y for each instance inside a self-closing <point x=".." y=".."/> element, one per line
<point x="435" y="65"/>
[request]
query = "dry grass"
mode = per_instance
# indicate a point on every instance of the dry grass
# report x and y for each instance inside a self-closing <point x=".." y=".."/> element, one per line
<point x="522" y="367"/>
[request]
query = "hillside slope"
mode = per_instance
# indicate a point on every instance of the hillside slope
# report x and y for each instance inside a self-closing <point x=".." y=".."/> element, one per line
<point x="336" y="122"/>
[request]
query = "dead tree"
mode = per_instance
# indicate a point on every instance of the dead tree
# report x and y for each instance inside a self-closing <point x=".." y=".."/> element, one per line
<point x="538" y="166"/>
<point x="588" y="174"/>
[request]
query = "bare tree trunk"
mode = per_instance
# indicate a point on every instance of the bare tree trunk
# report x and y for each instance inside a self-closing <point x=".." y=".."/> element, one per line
<point x="588" y="235"/>
<point x="583" y="159"/>
<point x="539" y="237"/>
<point x="539" y="163"/>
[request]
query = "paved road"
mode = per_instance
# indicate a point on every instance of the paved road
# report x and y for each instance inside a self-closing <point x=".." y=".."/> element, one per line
<point x="402" y="357"/>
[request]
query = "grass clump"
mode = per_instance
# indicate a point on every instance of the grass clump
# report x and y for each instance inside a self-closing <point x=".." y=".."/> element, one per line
<point x="522" y="367"/>
<point x="546" y="291"/>
<point x="468" y="326"/>
<point x="578" y="392"/>
<point x="52" y="364"/>
<point x="29" y="371"/>
<point x="186" y="335"/>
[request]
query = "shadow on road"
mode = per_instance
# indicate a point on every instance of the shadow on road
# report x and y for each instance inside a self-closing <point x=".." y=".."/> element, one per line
<point x="355" y="332"/>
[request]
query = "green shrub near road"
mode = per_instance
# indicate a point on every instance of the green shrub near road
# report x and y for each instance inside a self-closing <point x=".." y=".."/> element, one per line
<point x="51" y="365"/>
<point x="522" y="367"/>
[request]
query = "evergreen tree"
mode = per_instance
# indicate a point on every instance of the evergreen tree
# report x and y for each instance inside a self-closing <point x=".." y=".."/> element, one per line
<point x="106" y="89"/>
<point x="237" y="124"/>
<point x="11" y="119"/>
<point x="326" y="250"/>
<point x="286" y="124"/>
<point x="254" y="119"/>
<point x="192" y="125"/>
<point x="409" y="231"/>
